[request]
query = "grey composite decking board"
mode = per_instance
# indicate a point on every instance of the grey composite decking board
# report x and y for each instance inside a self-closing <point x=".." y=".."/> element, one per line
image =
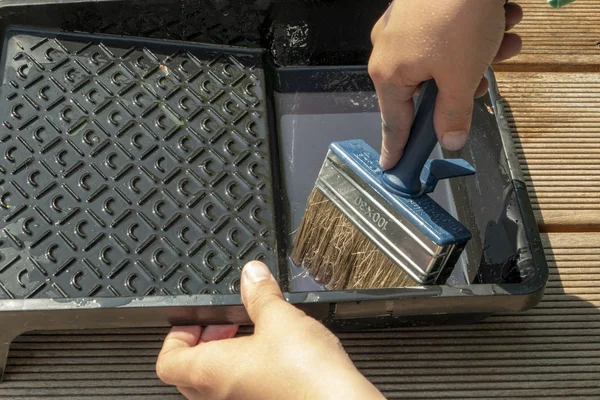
<point x="552" y="351"/>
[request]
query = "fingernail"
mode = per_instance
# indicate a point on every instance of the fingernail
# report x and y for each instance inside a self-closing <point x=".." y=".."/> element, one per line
<point x="381" y="161"/>
<point x="256" y="271"/>
<point x="454" y="140"/>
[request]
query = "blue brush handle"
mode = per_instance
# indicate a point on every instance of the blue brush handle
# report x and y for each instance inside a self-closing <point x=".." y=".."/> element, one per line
<point x="405" y="176"/>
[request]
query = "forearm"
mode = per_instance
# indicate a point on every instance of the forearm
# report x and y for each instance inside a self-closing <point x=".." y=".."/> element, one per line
<point x="343" y="383"/>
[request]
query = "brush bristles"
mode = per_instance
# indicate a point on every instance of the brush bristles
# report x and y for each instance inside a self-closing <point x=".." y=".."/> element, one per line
<point x="338" y="254"/>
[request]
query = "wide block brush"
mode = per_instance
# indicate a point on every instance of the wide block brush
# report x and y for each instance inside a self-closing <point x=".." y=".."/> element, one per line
<point x="369" y="228"/>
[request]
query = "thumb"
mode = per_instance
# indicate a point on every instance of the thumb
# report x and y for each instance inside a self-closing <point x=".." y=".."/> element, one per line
<point x="187" y="362"/>
<point x="453" y="115"/>
<point x="262" y="297"/>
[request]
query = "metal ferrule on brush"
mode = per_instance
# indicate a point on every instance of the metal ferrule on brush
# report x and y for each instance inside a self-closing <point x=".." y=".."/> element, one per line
<point x="394" y="235"/>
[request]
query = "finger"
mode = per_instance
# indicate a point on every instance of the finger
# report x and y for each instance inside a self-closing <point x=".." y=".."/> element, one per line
<point x="201" y="367"/>
<point x="175" y="354"/>
<point x="388" y="13"/>
<point x="514" y="15"/>
<point x="397" y="113"/>
<point x="218" y="332"/>
<point x="182" y="337"/>
<point x="482" y="89"/>
<point x="262" y="297"/>
<point x="510" y="47"/>
<point x="452" y="116"/>
<point x="376" y="30"/>
<point x="418" y="88"/>
<point x="381" y="23"/>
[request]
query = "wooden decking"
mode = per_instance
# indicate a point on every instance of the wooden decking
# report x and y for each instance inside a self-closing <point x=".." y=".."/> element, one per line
<point x="552" y="94"/>
<point x="555" y="119"/>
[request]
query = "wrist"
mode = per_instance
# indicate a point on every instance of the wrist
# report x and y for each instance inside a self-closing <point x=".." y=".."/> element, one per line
<point x="347" y="384"/>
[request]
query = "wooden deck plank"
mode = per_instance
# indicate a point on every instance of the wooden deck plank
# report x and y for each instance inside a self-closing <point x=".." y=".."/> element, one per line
<point x="528" y="355"/>
<point x="567" y="39"/>
<point x="555" y="119"/>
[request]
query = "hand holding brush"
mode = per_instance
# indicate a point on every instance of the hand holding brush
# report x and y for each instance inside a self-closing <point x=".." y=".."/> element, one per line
<point x="451" y="41"/>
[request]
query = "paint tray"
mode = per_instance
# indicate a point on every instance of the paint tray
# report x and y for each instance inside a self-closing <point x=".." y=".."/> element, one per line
<point x="151" y="148"/>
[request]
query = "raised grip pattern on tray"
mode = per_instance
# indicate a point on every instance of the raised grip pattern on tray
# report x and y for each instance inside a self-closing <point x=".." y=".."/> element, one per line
<point x="131" y="170"/>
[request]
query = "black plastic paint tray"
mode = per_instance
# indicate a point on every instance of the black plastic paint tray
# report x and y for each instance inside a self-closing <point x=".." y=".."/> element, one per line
<point x="152" y="148"/>
<point x="132" y="171"/>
